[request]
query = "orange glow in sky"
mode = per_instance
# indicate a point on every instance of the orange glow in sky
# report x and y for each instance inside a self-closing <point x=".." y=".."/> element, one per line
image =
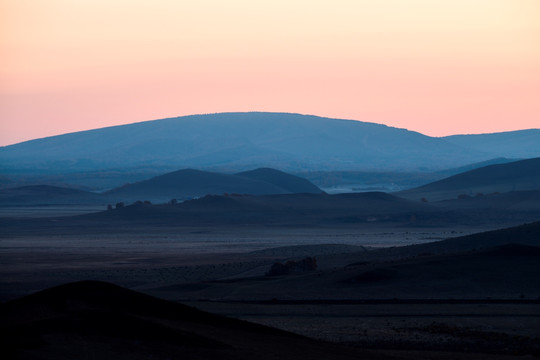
<point x="439" y="67"/>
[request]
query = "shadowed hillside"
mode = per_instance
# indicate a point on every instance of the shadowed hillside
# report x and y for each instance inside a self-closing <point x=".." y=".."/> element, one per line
<point x="189" y="183"/>
<point x="289" y="183"/>
<point x="500" y="264"/>
<point x="323" y="210"/>
<point x="212" y="210"/>
<point x="99" y="320"/>
<point x="515" y="176"/>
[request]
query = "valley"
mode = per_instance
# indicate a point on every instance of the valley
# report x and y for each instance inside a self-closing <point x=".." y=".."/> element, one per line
<point x="442" y="264"/>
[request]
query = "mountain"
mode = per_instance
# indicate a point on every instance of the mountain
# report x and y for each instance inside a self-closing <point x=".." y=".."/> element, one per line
<point x="240" y="141"/>
<point x="520" y="175"/>
<point x="92" y="319"/>
<point x="513" y="144"/>
<point x="189" y="183"/>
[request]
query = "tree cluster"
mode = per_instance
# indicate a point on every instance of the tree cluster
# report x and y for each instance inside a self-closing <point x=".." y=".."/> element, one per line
<point x="293" y="267"/>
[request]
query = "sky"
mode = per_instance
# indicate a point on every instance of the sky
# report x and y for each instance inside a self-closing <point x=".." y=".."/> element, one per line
<point x="434" y="66"/>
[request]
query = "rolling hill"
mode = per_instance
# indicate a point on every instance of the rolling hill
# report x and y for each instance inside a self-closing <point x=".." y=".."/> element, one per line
<point x="520" y="175"/>
<point x="190" y="183"/>
<point x="181" y="184"/>
<point x="92" y="319"/>
<point x="501" y="264"/>
<point x="240" y="141"/>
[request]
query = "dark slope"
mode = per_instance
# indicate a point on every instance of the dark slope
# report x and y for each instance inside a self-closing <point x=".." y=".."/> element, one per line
<point x="501" y="264"/>
<point x="481" y="164"/>
<point x="515" y="176"/>
<point x="238" y="141"/>
<point x="46" y="194"/>
<point x="513" y="144"/>
<point x="191" y="183"/>
<point x="504" y="272"/>
<point x="290" y="209"/>
<point x="526" y="234"/>
<point x="512" y="201"/>
<point x="290" y="183"/>
<point x="275" y="210"/>
<point x="99" y="320"/>
<point x="351" y="209"/>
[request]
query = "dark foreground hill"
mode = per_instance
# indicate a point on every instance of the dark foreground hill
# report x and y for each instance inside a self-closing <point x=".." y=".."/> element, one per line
<point x="514" y="176"/>
<point x="189" y="183"/>
<point x="99" y="320"/>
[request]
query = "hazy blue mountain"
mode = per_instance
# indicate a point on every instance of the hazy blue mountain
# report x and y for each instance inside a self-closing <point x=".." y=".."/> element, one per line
<point x="189" y="183"/>
<point x="520" y="175"/>
<point x="513" y="144"/>
<point x="238" y="141"/>
<point x="469" y="167"/>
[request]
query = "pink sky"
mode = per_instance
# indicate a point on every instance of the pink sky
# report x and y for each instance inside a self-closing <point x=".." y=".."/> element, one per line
<point x="434" y="66"/>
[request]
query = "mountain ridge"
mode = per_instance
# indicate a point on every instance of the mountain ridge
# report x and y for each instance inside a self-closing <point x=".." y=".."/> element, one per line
<point x="189" y="183"/>
<point x="240" y="141"/>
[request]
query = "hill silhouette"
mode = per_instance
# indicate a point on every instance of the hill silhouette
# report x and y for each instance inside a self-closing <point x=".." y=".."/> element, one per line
<point x="270" y="209"/>
<point x="519" y="175"/>
<point x="181" y="184"/>
<point x="291" y="142"/>
<point x="189" y="183"/>
<point x="92" y="319"/>
<point x="352" y="209"/>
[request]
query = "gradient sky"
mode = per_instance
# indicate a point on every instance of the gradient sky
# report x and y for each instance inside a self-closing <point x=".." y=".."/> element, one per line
<point x="435" y="66"/>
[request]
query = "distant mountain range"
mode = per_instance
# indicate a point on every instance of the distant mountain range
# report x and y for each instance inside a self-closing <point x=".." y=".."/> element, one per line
<point x="189" y="183"/>
<point x="180" y="185"/>
<point x="240" y="141"/>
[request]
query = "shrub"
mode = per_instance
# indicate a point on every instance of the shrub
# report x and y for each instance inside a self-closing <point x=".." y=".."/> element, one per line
<point x="293" y="267"/>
